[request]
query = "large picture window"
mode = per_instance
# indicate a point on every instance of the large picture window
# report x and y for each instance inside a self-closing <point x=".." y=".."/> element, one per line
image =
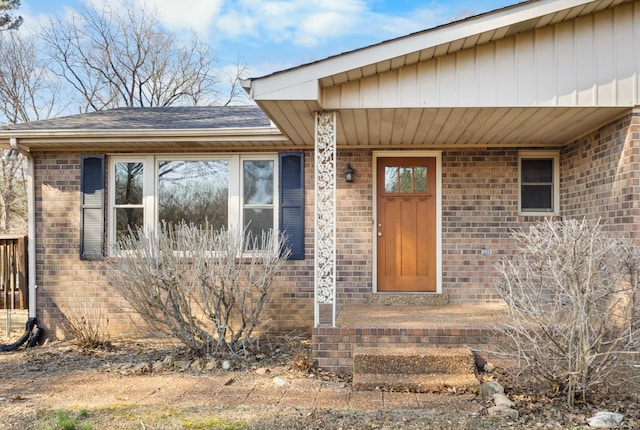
<point x="538" y="180"/>
<point x="234" y="192"/>
<point x="194" y="191"/>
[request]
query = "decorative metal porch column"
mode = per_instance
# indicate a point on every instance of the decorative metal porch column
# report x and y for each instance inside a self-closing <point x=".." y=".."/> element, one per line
<point x="325" y="214"/>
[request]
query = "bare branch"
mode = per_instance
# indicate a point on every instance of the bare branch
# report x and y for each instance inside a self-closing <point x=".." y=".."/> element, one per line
<point x="27" y="90"/>
<point x="116" y="59"/>
<point x="233" y="83"/>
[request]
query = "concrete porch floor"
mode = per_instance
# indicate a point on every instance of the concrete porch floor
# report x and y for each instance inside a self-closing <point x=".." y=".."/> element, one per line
<point x="480" y="316"/>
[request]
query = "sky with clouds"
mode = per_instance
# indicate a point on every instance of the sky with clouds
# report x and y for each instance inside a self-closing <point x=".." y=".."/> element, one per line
<point x="271" y="35"/>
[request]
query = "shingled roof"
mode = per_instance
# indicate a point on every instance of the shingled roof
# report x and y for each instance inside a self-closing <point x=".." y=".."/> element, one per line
<point x="183" y="128"/>
<point x="156" y="118"/>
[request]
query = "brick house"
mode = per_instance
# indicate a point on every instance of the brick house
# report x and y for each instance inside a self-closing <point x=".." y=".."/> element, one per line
<point x="455" y="135"/>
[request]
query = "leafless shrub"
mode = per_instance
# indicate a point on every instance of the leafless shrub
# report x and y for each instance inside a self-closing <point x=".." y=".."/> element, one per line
<point x="302" y="361"/>
<point x="208" y="288"/>
<point x="88" y="327"/>
<point x="572" y="299"/>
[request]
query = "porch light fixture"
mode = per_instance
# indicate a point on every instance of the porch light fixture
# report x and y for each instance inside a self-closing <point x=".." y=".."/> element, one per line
<point x="348" y="173"/>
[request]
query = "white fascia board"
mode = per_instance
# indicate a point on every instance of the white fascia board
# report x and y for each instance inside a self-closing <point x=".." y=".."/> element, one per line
<point x="308" y="90"/>
<point x="231" y="132"/>
<point x="304" y="77"/>
<point x="218" y="134"/>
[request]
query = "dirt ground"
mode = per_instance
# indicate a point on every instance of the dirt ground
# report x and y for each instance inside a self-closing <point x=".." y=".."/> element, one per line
<point x="155" y="385"/>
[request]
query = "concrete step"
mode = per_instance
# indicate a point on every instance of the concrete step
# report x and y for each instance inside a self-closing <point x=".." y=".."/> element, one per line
<point x="416" y="383"/>
<point x="414" y="369"/>
<point x="421" y="360"/>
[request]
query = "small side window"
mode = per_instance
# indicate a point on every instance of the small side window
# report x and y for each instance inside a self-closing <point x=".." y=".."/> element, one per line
<point x="258" y="208"/>
<point x="129" y="197"/>
<point x="538" y="180"/>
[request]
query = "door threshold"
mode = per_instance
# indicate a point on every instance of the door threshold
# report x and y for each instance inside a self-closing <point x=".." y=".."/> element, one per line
<point x="416" y="299"/>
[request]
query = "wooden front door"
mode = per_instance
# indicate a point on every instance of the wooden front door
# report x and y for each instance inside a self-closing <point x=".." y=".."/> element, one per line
<point x="406" y="224"/>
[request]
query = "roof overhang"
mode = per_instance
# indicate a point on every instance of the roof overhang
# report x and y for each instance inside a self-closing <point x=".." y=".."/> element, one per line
<point x="292" y="97"/>
<point x="220" y="139"/>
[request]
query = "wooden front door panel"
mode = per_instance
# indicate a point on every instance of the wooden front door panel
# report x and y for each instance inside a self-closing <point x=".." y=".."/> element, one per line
<point x="406" y="224"/>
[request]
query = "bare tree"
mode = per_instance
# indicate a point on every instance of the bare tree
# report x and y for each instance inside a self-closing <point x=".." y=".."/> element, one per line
<point x="28" y="91"/>
<point x="124" y="58"/>
<point x="13" y="201"/>
<point x="8" y="22"/>
<point x="572" y="300"/>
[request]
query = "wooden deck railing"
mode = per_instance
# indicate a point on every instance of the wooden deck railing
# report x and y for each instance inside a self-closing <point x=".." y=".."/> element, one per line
<point x="14" y="292"/>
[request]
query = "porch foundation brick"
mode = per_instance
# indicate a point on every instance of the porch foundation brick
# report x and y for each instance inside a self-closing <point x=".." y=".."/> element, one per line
<point x="322" y="355"/>
<point x="451" y="326"/>
<point x="344" y="364"/>
<point x="324" y="350"/>
<point x="328" y="346"/>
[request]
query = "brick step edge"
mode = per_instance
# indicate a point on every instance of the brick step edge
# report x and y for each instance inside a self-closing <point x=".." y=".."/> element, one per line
<point x="441" y="383"/>
<point x="413" y="360"/>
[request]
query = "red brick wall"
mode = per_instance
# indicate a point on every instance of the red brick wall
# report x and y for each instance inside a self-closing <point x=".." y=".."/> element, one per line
<point x="292" y="297"/>
<point x="65" y="284"/>
<point x="601" y="177"/>
<point x="479" y="208"/>
<point x="353" y="233"/>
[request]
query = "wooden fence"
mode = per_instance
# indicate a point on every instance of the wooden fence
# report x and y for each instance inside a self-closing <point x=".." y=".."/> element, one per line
<point x="14" y="292"/>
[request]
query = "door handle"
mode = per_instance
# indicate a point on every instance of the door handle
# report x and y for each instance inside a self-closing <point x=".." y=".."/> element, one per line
<point x="379" y="234"/>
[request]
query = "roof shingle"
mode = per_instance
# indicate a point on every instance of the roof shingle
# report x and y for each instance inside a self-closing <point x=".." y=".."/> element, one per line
<point x="155" y="118"/>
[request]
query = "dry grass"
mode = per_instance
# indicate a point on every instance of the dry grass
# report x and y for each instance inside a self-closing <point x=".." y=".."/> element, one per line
<point x="88" y="327"/>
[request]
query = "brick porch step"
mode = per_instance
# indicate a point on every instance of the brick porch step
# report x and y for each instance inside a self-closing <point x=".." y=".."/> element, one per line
<point x="414" y="369"/>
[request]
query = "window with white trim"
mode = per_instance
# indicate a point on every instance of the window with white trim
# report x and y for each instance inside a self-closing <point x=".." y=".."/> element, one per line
<point x="538" y="178"/>
<point x="233" y="191"/>
<point x="258" y="209"/>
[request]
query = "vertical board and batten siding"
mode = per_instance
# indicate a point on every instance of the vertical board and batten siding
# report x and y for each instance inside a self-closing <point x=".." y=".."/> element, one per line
<point x="587" y="61"/>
